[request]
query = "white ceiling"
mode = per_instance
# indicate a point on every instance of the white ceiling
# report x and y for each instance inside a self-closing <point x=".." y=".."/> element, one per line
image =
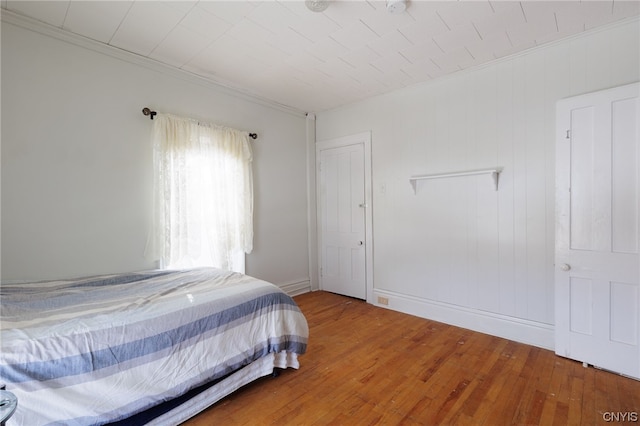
<point x="310" y="61"/>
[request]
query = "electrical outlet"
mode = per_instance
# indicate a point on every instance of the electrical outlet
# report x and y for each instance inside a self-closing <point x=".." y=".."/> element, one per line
<point x="383" y="300"/>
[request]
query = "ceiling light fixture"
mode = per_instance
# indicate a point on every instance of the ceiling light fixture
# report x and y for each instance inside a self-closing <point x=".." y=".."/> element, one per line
<point x="316" y="5"/>
<point x="396" y="7"/>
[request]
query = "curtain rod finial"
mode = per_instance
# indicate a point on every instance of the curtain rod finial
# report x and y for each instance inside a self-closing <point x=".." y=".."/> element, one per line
<point x="253" y="135"/>
<point x="147" y="111"/>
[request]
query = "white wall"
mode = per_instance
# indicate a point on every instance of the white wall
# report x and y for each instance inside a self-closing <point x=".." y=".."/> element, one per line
<point x="76" y="159"/>
<point x="459" y="251"/>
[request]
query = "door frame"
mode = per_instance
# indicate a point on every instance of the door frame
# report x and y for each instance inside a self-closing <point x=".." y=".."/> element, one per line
<point x="364" y="139"/>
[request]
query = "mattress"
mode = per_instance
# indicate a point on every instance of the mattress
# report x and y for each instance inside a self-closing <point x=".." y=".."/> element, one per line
<point x="102" y="349"/>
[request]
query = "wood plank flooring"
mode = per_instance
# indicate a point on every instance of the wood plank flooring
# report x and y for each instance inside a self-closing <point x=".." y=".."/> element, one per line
<point x="367" y="365"/>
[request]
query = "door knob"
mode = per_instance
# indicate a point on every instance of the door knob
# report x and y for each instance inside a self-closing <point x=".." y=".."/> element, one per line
<point x="363" y="205"/>
<point x="565" y="267"/>
<point x="360" y="243"/>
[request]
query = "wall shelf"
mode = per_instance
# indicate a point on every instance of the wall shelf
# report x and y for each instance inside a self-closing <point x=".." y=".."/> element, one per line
<point x="494" y="172"/>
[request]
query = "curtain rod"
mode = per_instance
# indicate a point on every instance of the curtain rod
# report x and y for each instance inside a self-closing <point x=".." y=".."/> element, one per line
<point x="151" y="114"/>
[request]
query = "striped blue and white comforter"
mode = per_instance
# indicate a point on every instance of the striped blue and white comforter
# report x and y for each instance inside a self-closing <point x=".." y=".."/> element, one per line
<point x="100" y="349"/>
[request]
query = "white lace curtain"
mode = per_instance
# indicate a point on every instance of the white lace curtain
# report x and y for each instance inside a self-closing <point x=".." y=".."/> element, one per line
<point x="203" y="195"/>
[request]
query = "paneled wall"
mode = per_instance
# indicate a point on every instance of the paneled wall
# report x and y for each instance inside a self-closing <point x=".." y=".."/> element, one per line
<point x="458" y="250"/>
<point x="76" y="159"/>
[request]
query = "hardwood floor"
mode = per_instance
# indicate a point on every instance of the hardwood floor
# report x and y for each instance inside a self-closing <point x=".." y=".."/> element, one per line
<point x="367" y="365"/>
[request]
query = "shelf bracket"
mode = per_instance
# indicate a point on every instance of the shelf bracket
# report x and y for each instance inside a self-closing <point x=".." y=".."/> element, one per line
<point x="496" y="177"/>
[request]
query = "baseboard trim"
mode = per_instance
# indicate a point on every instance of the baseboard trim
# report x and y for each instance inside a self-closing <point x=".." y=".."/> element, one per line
<point x="516" y="329"/>
<point x="296" y="288"/>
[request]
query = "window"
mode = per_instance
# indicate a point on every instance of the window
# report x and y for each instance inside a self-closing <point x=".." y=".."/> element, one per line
<point x="203" y="195"/>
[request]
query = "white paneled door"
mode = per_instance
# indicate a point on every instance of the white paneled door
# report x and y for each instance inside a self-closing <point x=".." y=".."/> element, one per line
<point x="342" y="210"/>
<point x="597" y="239"/>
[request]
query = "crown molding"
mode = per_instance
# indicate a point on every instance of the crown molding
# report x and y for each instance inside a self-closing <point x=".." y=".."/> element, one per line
<point x="9" y="17"/>
<point x="466" y="71"/>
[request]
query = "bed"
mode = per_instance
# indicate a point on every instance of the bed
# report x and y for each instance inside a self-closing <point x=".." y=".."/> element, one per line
<point x="152" y="347"/>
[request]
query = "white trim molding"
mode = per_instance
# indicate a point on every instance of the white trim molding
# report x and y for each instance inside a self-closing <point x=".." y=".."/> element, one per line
<point x="312" y="218"/>
<point x="218" y="84"/>
<point x="296" y="288"/>
<point x="516" y="329"/>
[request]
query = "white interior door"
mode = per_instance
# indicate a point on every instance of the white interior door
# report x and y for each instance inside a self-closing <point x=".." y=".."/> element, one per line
<point x="342" y="210"/>
<point x="597" y="238"/>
